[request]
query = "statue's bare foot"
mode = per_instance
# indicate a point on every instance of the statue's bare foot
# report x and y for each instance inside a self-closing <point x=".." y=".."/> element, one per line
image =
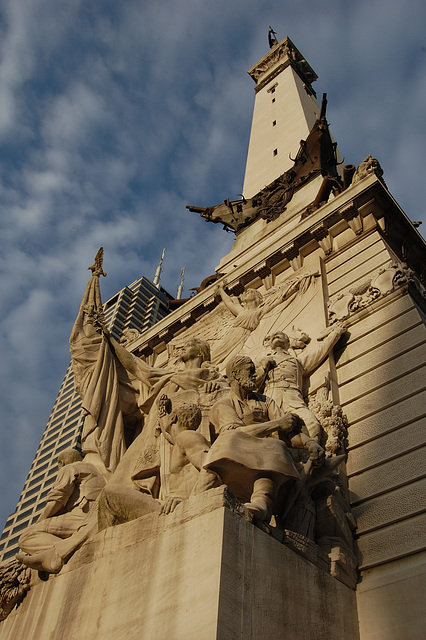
<point x="48" y="561"/>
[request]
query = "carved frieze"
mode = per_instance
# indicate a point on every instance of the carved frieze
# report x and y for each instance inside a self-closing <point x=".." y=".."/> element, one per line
<point x="362" y="295"/>
<point x="282" y="54"/>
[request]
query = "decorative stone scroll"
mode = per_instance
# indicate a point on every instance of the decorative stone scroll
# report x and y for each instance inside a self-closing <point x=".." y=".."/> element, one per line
<point x="362" y="295"/>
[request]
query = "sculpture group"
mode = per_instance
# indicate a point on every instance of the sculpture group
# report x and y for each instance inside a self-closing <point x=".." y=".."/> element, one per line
<point x="155" y="437"/>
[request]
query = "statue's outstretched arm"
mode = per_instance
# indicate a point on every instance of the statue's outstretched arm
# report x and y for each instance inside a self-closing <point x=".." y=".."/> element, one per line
<point x="310" y="359"/>
<point x="234" y="308"/>
<point x="140" y="369"/>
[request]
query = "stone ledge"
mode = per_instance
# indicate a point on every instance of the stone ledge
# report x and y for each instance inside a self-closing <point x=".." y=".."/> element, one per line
<point x="202" y="573"/>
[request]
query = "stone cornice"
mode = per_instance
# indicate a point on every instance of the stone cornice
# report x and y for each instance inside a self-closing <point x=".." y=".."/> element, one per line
<point x="278" y="58"/>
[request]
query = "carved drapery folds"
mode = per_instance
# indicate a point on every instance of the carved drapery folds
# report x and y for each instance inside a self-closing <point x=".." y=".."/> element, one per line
<point x="96" y="377"/>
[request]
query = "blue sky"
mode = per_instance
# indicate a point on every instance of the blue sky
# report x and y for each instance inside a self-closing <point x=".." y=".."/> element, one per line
<point x="114" y="116"/>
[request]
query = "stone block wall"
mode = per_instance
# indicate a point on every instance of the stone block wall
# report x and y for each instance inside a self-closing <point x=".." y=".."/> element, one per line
<point x="382" y="389"/>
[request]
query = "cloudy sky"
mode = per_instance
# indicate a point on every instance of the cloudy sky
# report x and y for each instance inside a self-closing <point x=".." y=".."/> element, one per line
<point x="114" y="116"/>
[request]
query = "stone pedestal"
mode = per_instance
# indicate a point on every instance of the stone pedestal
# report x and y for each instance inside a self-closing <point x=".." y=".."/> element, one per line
<point x="203" y="572"/>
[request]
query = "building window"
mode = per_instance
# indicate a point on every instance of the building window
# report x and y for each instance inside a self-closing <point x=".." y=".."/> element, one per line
<point x="62" y="447"/>
<point x="39" y="470"/>
<point x="21" y="526"/>
<point x="25" y="514"/>
<point x="11" y="552"/>
<point x="28" y="502"/>
<point x="275" y="152"/>
<point x="12" y="541"/>
<point x="33" y="490"/>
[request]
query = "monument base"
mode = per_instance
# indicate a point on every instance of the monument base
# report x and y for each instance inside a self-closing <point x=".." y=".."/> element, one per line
<point x="204" y="572"/>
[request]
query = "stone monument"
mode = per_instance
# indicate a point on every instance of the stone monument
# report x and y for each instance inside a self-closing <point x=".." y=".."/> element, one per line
<point x="275" y="487"/>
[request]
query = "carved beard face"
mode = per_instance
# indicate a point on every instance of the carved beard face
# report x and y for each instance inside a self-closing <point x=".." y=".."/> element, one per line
<point x="246" y="378"/>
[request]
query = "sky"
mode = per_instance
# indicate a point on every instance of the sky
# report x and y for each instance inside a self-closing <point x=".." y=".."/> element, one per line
<point x="115" y="116"/>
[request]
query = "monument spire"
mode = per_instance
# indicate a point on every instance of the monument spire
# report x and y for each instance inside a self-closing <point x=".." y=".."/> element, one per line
<point x="285" y="111"/>
<point x="180" y="287"/>
<point x="158" y="270"/>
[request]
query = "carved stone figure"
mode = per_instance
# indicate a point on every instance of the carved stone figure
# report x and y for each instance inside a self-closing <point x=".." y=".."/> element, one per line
<point x="197" y="373"/>
<point x="249" y="310"/>
<point x="117" y="389"/>
<point x="367" y="166"/>
<point x="68" y="517"/>
<point x="189" y="448"/>
<point x="254" y="466"/>
<point x="183" y="462"/>
<point x="141" y="480"/>
<point x="281" y="374"/>
<point x="103" y="387"/>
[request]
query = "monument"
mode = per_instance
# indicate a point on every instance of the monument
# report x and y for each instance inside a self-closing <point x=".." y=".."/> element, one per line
<point x="275" y="488"/>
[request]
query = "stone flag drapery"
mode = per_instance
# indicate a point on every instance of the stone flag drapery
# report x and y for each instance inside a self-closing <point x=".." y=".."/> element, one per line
<point x="96" y="380"/>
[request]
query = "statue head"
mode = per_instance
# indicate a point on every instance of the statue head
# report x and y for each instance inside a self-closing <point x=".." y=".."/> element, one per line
<point x="188" y="416"/>
<point x="279" y="339"/>
<point x="195" y="348"/>
<point x="241" y="370"/>
<point x="182" y="415"/>
<point x="68" y="456"/>
<point x="251" y="299"/>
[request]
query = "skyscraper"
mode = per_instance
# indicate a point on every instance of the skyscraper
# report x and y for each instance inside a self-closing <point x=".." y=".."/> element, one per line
<point x="134" y="308"/>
